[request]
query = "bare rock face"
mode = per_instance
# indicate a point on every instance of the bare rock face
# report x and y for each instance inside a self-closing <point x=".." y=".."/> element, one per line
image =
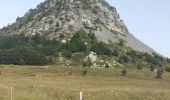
<point x="61" y="18"/>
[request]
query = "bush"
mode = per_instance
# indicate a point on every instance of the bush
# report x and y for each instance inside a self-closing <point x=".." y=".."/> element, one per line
<point x="153" y="59"/>
<point x="139" y="66"/>
<point x="11" y="56"/>
<point x="132" y="53"/>
<point x="159" y="73"/>
<point x="124" y="72"/>
<point x="168" y="60"/>
<point x="157" y="57"/>
<point x="124" y="58"/>
<point x="20" y="49"/>
<point x="77" y="45"/>
<point x="101" y="49"/>
<point x="152" y="68"/>
<point x="86" y="4"/>
<point x="84" y="72"/>
<point x="67" y="54"/>
<point x="32" y="57"/>
<point x="115" y="53"/>
<point x="92" y="36"/>
<point x="167" y="69"/>
<point x="87" y="63"/>
<point x="121" y="43"/>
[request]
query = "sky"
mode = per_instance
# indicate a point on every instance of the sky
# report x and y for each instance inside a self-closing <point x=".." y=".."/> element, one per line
<point x="148" y="20"/>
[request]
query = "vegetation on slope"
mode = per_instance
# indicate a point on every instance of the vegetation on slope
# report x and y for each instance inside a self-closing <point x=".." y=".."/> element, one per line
<point x="39" y="50"/>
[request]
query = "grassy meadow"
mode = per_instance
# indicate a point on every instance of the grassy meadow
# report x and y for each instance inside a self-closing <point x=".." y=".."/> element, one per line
<point x="54" y="83"/>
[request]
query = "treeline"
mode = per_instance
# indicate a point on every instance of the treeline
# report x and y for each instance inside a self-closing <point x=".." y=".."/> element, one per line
<point x="30" y="50"/>
<point x="39" y="50"/>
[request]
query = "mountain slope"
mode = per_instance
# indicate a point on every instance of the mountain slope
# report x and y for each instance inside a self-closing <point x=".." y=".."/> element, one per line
<point x="62" y="18"/>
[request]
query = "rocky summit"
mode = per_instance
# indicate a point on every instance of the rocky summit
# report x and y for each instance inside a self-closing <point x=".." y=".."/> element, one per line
<point x="62" y="18"/>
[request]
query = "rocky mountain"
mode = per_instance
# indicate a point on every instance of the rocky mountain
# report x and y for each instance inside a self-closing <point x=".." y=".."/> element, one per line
<point x="62" y="18"/>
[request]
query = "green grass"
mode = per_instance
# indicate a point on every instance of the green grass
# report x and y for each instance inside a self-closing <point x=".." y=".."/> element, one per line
<point x="99" y="84"/>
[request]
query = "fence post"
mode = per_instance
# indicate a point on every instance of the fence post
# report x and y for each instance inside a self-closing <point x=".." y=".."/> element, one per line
<point x="81" y="95"/>
<point x="11" y="92"/>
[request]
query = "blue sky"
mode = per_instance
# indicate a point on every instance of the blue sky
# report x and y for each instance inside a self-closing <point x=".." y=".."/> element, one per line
<point x="148" y="20"/>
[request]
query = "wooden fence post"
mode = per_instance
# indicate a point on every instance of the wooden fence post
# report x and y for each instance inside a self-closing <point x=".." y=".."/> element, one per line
<point x="81" y="95"/>
<point x="11" y="93"/>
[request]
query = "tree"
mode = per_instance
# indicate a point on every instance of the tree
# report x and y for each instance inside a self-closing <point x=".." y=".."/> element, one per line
<point x="152" y="68"/>
<point x="132" y="53"/>
<point x="159" y="73"/>
<point x="92" y="35"/>
<point x="67" y="54"/>
<point x="87" y="63"/>
<point x="167" y="69"/>
<point x="37" y="38"/>
<point x="115" y="53"/>
<point x="123" y="58"/>
<point x="11" y="56"/>
<point x="32" y="57"/>
<point x="84" y="72"/>
<point x="77" y="45"/>
<point x="124" y="72"/>
<point x="149" y="58"/>
<point x="8" y="42"/>
<point x="121" y="43"/>
<point x="168" y="60"/>
<point x="101" y="49"/>
<point x="139" y="66"/>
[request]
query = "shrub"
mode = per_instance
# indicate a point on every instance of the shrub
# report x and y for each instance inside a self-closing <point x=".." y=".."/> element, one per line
<point x="11" y="56"/>
<point x="132" y="53"/>
<point x="123" y="58"/>
<point x="71" y="28"/>
<point x="101" y="49"/>
<point x="149" y="58"/>
<point x="32" y="57"/>
<point x="50" y="21"/>
<point x="86" y="4"/>
<point x="168" y="60"/>
<point x="157" y="57"/>
<point x="152" y="68"/>
<point x="121" y="43"/>
<point x="67" y="54"/>
<point x="123" y="72"/>
<point x="167" y="69"/>
<point x="57" y="24"/>
<point x="139" y="66"/>
<point x="159" y="73"/>
<point x="84" y="72"/>
<point x="87" y="63"/>
<point x="92" y="35"/>
<point x="115" y="53"/>
<point x="37" y="39"/>
<point x="77" y="45"/>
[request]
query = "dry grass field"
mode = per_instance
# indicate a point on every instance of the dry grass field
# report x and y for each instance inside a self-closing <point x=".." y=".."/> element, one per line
<point x="53" y="83"/>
